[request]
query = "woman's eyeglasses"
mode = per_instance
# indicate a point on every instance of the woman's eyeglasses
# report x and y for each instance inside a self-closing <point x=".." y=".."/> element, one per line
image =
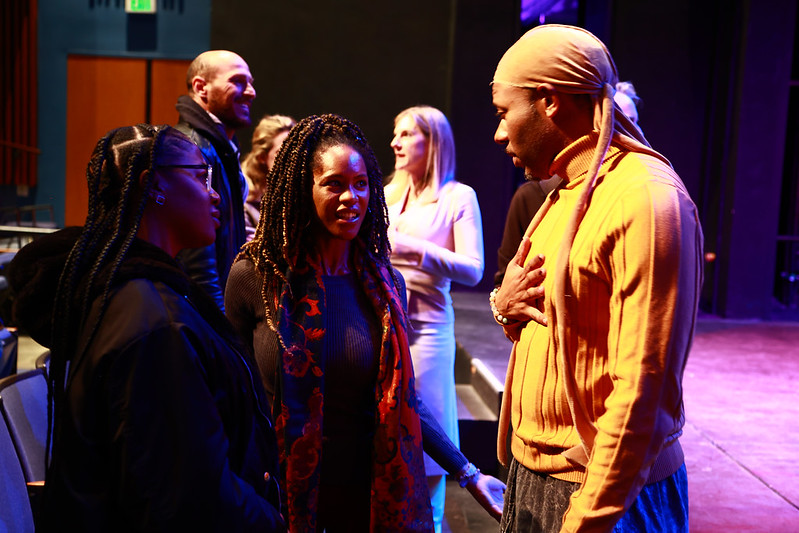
<point x="209" y="170"/>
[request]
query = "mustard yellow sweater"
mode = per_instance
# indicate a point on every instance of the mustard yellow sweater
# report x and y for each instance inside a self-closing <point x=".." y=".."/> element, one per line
<point x="635" y="272"/>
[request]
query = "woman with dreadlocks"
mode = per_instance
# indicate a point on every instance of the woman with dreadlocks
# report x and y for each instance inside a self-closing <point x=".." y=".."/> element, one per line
<point x="315" y="295"/>
<point x="160" y="422"/>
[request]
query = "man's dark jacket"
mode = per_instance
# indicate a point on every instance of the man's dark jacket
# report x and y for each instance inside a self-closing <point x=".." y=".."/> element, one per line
<point x="210" y="266"/>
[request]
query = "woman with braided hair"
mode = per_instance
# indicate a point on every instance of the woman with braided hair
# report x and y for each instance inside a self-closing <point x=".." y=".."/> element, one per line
<point x="315" y="295"/>
<point x="159" y="421"/>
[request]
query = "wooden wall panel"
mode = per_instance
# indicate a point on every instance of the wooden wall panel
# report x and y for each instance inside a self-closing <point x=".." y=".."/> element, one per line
<point x="102" y="94"/>
<point x="18" y="96"/>
<point x="168" y="81"/>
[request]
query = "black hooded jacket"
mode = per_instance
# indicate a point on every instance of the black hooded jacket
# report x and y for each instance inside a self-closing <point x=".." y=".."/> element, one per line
<point x="210" y="266"/>
<point x="165" y="426"/>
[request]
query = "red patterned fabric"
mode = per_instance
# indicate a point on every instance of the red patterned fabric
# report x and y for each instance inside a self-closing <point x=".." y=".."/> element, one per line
<point x="399" y="495"/>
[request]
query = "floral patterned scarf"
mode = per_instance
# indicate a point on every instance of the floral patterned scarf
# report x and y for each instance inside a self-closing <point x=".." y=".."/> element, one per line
<point x="399" y="495"/>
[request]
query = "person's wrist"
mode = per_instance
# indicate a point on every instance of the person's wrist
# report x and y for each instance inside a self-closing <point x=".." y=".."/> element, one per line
<point x="467" y="474"/>
<point x="500" y="319"/>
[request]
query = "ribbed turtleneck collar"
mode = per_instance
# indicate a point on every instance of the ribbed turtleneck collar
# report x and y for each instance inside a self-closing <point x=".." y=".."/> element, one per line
<point x="572" y="163"/>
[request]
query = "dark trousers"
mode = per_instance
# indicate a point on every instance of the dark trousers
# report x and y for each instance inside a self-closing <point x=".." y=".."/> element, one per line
<point x="535" y="503"/>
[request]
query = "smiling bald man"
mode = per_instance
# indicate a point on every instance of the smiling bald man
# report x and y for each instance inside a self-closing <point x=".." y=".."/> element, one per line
<point x="220" y="94"/>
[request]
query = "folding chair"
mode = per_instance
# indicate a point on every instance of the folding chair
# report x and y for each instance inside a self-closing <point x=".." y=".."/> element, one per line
<point x="15" y="508"/>
<point x="23" y="402"/>
<point x="8" y="348"/>
<point x="43" y="362"/>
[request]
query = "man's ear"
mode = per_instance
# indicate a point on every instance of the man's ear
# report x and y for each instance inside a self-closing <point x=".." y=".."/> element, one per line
<point x="552" y="99"/>
<point x="199" y="86"/>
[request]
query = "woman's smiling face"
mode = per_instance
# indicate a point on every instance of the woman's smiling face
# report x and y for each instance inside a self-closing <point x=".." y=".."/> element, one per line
<point x="340" y="192"/>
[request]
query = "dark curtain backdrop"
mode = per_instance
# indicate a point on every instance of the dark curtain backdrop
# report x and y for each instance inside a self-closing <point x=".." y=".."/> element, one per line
<point x="713" y="76"/>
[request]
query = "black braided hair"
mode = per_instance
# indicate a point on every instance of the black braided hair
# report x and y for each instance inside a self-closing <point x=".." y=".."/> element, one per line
<point x="282" y="242"/>
<point x="117" y="197"/>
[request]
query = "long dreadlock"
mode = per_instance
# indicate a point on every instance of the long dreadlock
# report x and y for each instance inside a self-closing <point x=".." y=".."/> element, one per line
<point x="117" y="199"/>
<point x="282" y="242"/>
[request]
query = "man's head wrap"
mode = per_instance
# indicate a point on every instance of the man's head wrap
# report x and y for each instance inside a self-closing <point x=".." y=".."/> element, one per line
<point x="574" y="61"/>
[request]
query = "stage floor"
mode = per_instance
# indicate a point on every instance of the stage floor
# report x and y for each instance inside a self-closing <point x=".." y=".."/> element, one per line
<point x="741" y="439"/>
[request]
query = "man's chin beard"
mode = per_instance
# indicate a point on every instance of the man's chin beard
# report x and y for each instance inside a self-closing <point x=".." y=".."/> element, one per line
<point x="528" y="176"/>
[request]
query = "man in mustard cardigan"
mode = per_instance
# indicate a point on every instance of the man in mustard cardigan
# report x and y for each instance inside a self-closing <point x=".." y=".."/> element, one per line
<point x="600" y="301"/>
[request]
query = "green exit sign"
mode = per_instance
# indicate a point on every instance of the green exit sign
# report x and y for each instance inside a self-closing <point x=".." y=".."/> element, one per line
<point x="140" y="6"/>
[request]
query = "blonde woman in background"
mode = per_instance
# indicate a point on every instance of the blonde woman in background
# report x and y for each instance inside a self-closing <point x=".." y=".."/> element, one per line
<point x="266" y="141"/>
<point x="436" y="237"/>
